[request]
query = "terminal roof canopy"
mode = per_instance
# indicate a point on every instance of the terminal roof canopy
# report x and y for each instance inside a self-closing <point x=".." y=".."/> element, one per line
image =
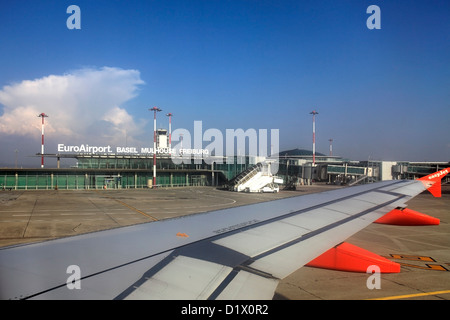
<point x="298" y="152"/>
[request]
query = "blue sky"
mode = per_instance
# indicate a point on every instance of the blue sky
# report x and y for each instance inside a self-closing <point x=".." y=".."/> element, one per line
<point x="381" y="94"/>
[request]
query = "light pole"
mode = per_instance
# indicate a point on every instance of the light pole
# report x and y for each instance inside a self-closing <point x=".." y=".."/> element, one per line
<point x="181" y="149"/>
<point x="42" y="115"/>
<point x="170" y="131"/>
<point x="314" y="135"/>
<point x="331" y="146"/>
<point x="154" y="109"/>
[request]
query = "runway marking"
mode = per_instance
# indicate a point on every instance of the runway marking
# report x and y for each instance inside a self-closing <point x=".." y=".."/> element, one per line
<point x="428" y="266"/>
<point x="137" y="210"/>
<point x="436" y="267"/>
<point x="411" y="257"/>
<point x="405" y="296"/>
<point x="48" y="210"/>
<point x="131" y="207"/>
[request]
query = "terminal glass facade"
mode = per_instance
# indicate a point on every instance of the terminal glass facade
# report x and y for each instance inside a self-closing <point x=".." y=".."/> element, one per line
<point x="123" y="173"/>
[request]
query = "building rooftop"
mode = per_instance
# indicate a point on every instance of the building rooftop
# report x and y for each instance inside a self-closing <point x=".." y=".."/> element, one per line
<point x="298" y="152"/>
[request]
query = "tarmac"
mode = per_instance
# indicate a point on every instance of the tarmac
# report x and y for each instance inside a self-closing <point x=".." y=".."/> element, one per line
<point x="423" y="251"/>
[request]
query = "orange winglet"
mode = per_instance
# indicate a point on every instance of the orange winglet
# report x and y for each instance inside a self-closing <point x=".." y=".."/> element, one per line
<point x="347" y="257"/>
<point x="433" y="181"/>
<point x="407" y="217"/>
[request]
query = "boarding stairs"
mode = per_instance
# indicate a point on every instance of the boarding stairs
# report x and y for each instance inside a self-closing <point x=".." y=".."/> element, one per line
<point x="244" y="176"/>
<point x="361" y="178"/>
<point x="256" y="179"/>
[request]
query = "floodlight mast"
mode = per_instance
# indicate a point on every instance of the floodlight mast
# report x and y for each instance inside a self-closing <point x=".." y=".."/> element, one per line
<point x="42" y="115"/>
<point x="154" y="109"/>
<point x="314" y="135"/>
<point x="170" y="130"/>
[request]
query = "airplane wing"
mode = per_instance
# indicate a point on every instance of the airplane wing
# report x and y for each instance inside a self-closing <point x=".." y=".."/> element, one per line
<point x="236" y="253"/>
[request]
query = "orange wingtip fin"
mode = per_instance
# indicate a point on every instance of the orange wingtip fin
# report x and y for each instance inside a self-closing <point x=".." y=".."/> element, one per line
<point x="347" y="257"/>
<point x="433" y="181"/>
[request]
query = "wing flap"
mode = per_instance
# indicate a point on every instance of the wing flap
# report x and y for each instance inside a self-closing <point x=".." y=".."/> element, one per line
<point x="260" y="239"/>
<point x="315" y="219"/>
<point x="183" y="278"/>
<point x="246" y="284"/>
<point x="375" y="197"/>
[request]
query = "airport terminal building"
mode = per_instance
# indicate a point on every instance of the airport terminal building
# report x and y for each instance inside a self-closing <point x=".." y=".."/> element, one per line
<point x="121" y="172"/>
<point x="135" y="170"/>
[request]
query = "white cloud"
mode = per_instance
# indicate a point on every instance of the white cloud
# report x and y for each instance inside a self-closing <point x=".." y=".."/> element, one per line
<point x="79" y="104"/>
